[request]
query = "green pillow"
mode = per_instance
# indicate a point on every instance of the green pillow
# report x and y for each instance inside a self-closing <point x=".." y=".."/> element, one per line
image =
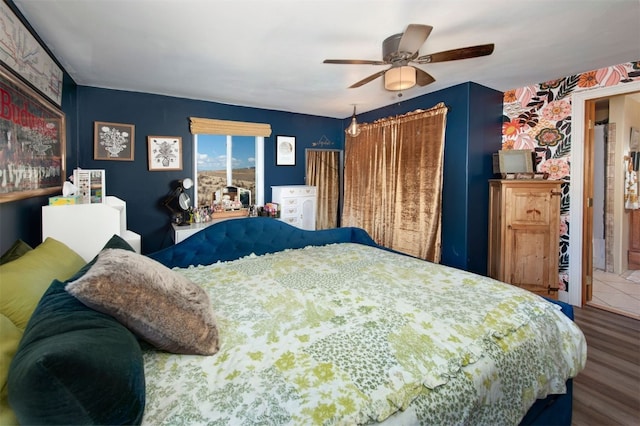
<point x="76" y="365"/>
<point x="25" y="274"/>
<point x="10" y="336"/>
<point x="15" y="252"/>
<point x="24" y="280"/>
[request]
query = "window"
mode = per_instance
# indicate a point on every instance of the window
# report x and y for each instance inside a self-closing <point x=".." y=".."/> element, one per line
<point x="223" y="161"/>
<point x="236" y="133"/>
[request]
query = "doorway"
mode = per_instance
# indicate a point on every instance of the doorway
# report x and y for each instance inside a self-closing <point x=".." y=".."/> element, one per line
<point x="324" y="171"/>
<point x="576" y="191"/>
<point x="607" y="280"/>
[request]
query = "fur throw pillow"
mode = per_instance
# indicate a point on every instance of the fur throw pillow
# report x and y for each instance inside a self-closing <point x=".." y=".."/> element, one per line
<point x="159" y="305"/>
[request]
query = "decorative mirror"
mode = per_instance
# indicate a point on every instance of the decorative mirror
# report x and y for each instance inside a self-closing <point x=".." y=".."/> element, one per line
<point x="231" y="198"/>
<point x="184" y="201"/>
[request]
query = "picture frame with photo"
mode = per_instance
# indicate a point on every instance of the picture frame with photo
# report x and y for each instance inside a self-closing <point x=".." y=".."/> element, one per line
<point x="113" y="141"/>
<point x="165" y="153"/>
<point x="91" y="185"/>
<point x="285" y="151"/>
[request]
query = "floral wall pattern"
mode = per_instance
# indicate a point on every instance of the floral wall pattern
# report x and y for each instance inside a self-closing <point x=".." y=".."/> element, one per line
<point x="538" y="118"/>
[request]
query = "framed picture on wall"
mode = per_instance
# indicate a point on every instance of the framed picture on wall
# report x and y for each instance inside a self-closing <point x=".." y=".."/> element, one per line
<point x="165" y="153"/>
<point x="32" y="142"/>
<point x="113" y="141"/>
<point x="23" y="54"/>
<point x="285" y="151"/>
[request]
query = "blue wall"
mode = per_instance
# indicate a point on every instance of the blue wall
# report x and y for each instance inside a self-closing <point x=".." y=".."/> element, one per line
<point x="168" y="116"/>
<point x="472" y="134"/>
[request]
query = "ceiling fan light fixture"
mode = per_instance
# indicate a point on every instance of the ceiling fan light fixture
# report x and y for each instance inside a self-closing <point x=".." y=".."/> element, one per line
<point x="400" y="78"/>
<point x="353" y="130"/>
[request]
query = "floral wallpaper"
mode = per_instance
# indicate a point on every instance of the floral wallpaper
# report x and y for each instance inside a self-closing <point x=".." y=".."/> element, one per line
<point x="538" y="118"/>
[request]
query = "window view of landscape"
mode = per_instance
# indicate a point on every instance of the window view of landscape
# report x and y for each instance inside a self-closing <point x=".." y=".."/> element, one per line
<point x="212" y="164"/>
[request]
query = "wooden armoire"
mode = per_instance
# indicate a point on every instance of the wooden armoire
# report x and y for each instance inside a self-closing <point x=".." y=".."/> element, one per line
<point x="524" y="221"/>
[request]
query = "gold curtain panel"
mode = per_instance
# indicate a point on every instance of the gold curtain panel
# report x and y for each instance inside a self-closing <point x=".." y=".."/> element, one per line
<point x="323" y="173"/>
<point x="393" y="181"/>
<point x="209" y="126"/>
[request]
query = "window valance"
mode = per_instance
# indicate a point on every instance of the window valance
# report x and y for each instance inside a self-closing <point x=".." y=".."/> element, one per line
<point x="211" y="126"/>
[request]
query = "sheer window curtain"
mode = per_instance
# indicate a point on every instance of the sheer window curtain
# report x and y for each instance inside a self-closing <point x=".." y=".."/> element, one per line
<point x="393" y="181"/>
<point x="323" y="173"/>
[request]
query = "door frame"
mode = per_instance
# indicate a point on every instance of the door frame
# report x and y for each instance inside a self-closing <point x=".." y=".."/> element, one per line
<point x="587" y="200"/>
<point x="576" y="191"/>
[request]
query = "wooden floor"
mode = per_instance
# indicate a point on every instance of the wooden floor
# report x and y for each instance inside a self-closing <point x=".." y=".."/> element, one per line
<point x="607" y="391"/>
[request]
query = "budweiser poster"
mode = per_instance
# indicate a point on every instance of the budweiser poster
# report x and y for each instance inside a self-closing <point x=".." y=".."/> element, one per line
<point x="32" y="141"/>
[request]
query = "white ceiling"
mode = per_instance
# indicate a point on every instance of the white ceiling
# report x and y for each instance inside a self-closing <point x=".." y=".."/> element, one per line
<point x="268" y="54"/>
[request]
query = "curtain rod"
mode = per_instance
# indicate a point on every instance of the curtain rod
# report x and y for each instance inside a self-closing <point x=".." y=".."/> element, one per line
<point x="416" y="111"/>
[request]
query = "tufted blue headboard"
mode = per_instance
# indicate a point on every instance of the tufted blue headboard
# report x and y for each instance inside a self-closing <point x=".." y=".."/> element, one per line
<point x="235" y="238"/>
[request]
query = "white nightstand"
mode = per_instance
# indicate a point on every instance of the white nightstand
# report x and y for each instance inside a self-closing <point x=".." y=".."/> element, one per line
<point x="182" y="232"/>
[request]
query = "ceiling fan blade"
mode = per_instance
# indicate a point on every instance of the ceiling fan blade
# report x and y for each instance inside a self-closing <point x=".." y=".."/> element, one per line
<point x="367" y="80"/>
<point x="423" y="78"/>
<point x="353" y="62"/>
<point x="455" y="54"/>
<point x="414" y="37"/>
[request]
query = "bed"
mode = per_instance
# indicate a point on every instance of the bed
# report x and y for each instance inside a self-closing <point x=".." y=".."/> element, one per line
<point x="314" y="327"/>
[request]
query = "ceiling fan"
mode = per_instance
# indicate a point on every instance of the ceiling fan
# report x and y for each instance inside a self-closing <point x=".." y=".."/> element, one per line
<point x="401" y="50"/>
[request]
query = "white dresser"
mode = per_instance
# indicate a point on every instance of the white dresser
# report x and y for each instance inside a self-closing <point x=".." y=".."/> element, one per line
<point x="298" y="205"/>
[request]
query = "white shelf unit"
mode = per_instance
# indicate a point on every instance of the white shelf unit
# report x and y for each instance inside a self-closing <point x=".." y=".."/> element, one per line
<point x="298" y="204"/>
<point x="86" y="228"/>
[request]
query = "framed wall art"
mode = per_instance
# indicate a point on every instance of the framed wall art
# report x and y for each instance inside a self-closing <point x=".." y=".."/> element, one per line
<point x="23" y="54"/>
<point x="165" y="153"/>
<point x="285" y="151"/>
<point x="113" y="141"/>
<point x="32" y="142"/>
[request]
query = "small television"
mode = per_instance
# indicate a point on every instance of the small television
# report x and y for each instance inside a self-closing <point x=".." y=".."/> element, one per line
<point x="508" y="161"/>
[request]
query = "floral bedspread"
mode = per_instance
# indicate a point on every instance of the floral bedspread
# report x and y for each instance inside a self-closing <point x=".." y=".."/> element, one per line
<point x="350" y="334"/>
